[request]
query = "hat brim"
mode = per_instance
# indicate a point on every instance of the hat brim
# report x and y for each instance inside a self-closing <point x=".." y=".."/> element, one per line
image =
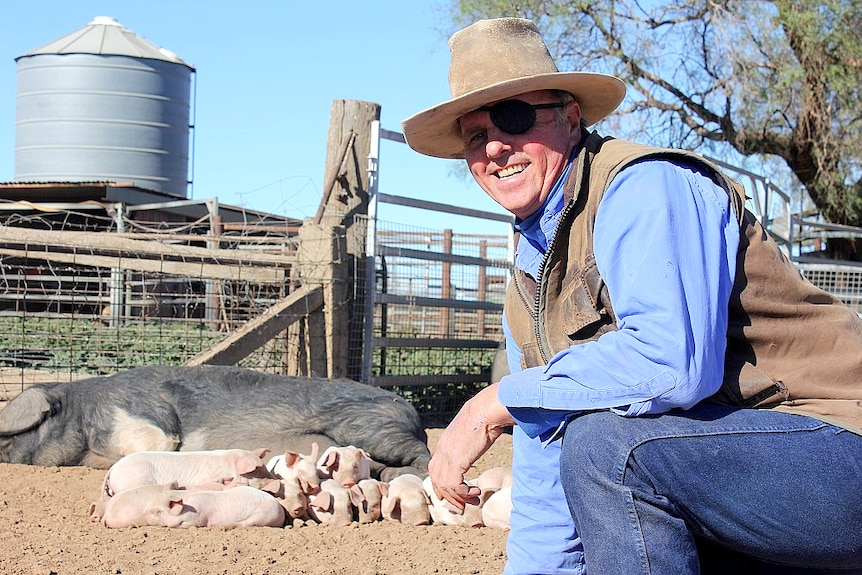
<point x="435" y="131"/>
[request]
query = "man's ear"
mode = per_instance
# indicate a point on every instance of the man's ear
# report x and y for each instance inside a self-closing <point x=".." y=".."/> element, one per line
<point x="573" y="113"/>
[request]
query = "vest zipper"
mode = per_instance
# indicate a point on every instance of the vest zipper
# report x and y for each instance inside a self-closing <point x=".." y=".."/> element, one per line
<point x="591" y="145"/>
<point x="541" y="287"/>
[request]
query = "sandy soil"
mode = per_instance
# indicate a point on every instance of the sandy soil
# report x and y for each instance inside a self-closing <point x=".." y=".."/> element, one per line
<point x="45" y="531"/>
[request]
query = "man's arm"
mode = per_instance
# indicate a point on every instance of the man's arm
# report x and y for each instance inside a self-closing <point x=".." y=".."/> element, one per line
<point x="473" y="430"/>
<point x="665" y="244"/>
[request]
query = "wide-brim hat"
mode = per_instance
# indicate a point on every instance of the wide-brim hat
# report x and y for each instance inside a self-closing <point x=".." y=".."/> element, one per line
<point x="496" y="59"/>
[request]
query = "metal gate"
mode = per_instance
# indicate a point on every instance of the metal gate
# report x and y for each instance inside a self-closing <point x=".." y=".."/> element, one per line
<point x="433" y="298"/>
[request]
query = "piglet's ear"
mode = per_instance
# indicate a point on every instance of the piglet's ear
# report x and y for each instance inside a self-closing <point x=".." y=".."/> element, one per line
<point x="273" y="487"/>
<point x="332" y="459"/>
<point x="357" y="497"/>
<point x="322" y="500"/>
<point x="304" y="485"/>
<point x="175" y="506"/>
<point x="290" y="458"/>
<point x="247" y="464"/>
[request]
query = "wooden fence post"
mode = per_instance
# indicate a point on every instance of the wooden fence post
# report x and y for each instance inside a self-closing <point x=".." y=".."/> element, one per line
<point x="322" y="258"/>
<point x="446" y="286"/>
<point x="345" y="203"/>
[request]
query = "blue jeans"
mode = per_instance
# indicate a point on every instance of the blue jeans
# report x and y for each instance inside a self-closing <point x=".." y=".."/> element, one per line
<point x="760" y="491"/>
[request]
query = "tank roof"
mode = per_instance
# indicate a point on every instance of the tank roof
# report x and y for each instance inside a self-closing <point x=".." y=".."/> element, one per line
<point x="105" y="36"/>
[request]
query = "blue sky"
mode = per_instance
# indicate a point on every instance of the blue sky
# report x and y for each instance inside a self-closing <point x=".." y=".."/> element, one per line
<point x="267" y="73"/>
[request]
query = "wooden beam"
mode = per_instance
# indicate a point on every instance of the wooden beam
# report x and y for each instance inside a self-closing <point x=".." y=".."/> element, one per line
<point x="192" y="269"/>
<point x="106" y="242"/>
<point x="244" y="341"/>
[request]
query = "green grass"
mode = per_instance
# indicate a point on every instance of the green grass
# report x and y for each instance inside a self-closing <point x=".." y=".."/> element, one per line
<point x="86" y="346"/>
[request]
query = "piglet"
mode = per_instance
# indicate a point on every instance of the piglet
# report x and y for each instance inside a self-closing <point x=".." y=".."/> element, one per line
<point x="406" y="501"/>
<point x="494" y="479"/>
<point x="366" y="497"/>
<point x="164" y="506"/>
<point x="290" y="494"/>
<point x="292" y="465"/>
<point x="498" y="508"/>
<point x="331" y="505"/>
<point x="346" y="465"/>
<point x="227" y="466"/>
<point x="445" y="513"/>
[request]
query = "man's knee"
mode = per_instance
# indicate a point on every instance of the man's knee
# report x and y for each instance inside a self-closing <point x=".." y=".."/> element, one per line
<point x="593" y="449"/>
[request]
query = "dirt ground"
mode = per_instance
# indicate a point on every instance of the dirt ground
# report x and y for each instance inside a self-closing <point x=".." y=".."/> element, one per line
<point x="44" y="530"/>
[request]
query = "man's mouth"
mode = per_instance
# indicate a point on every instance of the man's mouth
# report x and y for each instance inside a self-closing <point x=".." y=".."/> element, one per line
<point x="511" y="170"/>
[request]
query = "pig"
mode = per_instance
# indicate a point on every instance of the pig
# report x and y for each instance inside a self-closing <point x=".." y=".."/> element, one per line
<point x="494" y="479"/>
<point x="293" y="465"/>
<point x="96" y="421"/>
<point x="445" y="513"/>
<point x="497" y="509"/>
<point x="165" y="506"/>
<point x="228" y="466"/>
<point x="332" y="505"/>
<point x="291" y="495"/>
<point x="218" y="469"/>
<point x="406" y="501"/>
<point x="366" y="497"/>
<point x="346" y="465"/>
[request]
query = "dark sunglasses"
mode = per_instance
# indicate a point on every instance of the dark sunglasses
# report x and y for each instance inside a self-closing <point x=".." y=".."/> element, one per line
<point x="516" y="116"/>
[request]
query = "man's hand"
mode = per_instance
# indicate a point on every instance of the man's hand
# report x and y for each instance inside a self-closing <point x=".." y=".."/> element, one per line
<point x="479" y="423"/>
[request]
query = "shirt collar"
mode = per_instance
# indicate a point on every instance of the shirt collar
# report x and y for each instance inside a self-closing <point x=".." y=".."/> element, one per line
<point x="538" y="228"/>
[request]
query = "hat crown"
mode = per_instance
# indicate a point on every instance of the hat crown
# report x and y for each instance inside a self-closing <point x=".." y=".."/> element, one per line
<point x="490" y="52"/>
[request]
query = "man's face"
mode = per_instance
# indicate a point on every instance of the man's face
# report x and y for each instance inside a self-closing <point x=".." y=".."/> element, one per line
<point x="519" y="170"/>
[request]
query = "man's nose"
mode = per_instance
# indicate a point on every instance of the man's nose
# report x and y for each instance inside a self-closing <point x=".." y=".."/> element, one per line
<point x="497" y="144"/>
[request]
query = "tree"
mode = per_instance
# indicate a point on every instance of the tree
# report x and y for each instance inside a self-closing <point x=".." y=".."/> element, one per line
<point x="780" y="78"/>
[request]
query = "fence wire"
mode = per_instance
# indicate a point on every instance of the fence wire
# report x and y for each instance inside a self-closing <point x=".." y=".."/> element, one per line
<point x="77" y="298"/>
<point x="437" y="314"/>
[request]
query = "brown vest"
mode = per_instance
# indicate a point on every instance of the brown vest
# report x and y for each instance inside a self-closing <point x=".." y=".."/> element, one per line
<point x="790" y="346"/>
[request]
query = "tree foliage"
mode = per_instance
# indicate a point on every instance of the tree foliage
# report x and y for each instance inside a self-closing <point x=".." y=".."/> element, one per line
<point x="781" y="78"/>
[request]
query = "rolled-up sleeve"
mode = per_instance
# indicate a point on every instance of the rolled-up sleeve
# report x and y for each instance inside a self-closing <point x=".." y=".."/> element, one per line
<point x="665" y="245"/>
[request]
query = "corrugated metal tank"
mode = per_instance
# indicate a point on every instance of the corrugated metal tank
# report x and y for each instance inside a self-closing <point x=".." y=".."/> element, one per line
<point x="103" y="104"/>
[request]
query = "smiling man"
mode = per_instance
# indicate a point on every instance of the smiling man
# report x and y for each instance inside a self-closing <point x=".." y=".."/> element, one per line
<point x="683" y="400"/>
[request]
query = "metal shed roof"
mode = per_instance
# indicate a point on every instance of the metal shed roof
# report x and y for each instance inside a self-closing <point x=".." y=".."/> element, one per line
<point x="105" y="36"/>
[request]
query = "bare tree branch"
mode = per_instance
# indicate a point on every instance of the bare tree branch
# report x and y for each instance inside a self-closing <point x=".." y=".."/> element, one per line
<point x="780" y="78"/>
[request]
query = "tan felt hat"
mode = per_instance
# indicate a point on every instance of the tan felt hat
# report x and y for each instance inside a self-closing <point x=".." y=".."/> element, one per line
<point x="497" y="59"/>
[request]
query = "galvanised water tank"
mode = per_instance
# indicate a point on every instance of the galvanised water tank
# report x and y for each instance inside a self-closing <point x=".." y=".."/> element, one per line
<point x="103" y="105"/>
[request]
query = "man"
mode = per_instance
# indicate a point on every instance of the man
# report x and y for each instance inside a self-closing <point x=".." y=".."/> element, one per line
<point x="677" y="386"/>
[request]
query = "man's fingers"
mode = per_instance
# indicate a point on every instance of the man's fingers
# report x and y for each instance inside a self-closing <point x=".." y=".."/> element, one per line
<point x="460" y="495"/>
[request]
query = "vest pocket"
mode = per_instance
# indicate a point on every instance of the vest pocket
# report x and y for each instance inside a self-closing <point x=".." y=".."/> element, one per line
<point x="748" y="386"/>
<point x="577" y="308"/>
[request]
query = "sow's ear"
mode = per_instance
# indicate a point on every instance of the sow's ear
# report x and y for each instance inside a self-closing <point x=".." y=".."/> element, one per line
<point x="24" y="412"/>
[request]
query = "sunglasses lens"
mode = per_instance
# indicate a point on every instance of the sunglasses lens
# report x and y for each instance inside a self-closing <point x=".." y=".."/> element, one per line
<point x="513" y="116"/>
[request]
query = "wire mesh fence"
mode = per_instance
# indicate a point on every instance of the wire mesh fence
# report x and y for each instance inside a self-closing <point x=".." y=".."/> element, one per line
<point x="79" y="298"/>
<point x="86" y="293"/>
<point x="437" y="314"/>
<point x="842" y="281"/>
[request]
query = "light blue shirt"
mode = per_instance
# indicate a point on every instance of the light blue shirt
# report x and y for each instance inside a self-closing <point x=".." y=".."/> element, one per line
<point x="665" y="244"/>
